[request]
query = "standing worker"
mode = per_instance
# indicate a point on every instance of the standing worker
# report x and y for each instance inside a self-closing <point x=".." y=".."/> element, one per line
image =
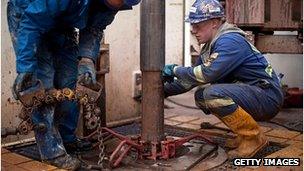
<point x="242" y="86"/>
<point x="46" y="47"/>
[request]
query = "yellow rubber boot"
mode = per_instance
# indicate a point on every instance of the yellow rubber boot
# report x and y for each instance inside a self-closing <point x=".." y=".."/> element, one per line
<point x="251" y="138"/>
<point x="233" y="143"/>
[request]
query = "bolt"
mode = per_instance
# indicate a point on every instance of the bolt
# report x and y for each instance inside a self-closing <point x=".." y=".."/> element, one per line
<point x="97" y="110"/>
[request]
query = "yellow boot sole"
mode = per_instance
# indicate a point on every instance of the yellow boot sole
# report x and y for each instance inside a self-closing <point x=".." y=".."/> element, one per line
<point x="237" y="153"/>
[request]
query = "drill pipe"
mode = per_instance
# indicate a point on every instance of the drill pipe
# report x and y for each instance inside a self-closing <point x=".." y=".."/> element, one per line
<point x="152" y="60"/>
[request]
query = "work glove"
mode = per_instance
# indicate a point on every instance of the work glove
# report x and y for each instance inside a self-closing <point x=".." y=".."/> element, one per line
<point x="86" y="72"/>
<point x="168" y="73"/>
<point x="23" y="82"/>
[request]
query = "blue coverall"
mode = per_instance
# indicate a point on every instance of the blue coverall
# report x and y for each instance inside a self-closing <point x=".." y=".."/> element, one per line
<point x="45" y="42"/>
<point x="239" y="75"/>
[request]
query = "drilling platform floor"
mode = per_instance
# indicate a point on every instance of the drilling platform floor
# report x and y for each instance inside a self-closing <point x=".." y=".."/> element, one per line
<point x="284" y="133"/>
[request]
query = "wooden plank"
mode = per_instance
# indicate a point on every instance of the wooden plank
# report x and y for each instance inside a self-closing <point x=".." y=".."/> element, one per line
<point x="14" y="158"/>
<point x="4" y="164"/>
<point x="279" y="44"/>
<point x="3" y="151"/>
<point x="36" y="166"/>
<point x="279" y="133"/>
<point x="282" y="15"/>
<point x="245" y="12"/>
<point x="13" y="168"/>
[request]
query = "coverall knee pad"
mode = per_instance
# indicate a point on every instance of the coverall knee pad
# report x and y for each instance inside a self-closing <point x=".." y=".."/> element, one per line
<point x="200" y="101"/>
<point x="217" y="102"/>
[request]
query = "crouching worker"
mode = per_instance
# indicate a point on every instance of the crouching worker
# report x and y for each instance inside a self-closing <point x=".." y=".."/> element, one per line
<point x="242" y="86"/>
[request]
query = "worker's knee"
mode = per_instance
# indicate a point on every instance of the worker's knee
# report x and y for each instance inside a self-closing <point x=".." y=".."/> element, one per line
<point x="211" y="100"/>
<point x="198" y="95"/>
<point x="200" y="100"/>
<point x="212" y="92"/>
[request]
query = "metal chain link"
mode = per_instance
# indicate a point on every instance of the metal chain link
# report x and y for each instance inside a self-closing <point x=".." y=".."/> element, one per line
<point x="101" y="146"/>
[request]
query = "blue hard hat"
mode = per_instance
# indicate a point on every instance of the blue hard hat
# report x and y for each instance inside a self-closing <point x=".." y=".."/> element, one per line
<point x="203" y="10"/>
<point x="131" y="2"/>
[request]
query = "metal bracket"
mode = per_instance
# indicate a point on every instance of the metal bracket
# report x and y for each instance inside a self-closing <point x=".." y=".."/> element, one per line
<point x="167" y="147"/>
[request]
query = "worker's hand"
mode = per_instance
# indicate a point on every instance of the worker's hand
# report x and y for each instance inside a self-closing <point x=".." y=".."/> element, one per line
<point x="23" y="82"/>
<point x="86" y="72"/>
<point x="168" y="73"/>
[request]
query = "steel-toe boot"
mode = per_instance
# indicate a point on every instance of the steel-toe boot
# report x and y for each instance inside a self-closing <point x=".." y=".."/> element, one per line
<point x="251" y="137"/>
<point x="79" y="145"/>
<point x="233" y="143"/>
<point x="65" y="162"/>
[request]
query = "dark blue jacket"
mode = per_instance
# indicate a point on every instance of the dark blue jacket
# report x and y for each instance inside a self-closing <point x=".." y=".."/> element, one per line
<point x="232" y="60"/>
<point x="40" y="16"/>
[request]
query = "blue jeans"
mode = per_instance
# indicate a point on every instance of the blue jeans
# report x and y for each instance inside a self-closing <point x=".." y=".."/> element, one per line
<point x="57" y="68"/>
<point x="224" y="99"/>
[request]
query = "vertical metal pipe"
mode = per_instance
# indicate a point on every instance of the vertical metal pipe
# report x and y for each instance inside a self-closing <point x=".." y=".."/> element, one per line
<point x="152" y="60"/>
<point x="152" y="107"/>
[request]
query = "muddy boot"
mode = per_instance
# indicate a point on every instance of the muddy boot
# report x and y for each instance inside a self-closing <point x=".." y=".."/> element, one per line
<point x="65" y="162"/>
<point x="252" y="138"/>
<point x="79" y="145"/>
<point x="233" y="143"/>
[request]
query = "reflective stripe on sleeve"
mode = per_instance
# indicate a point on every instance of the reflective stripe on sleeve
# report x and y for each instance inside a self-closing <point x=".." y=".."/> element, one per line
<point x="199" y="74"/>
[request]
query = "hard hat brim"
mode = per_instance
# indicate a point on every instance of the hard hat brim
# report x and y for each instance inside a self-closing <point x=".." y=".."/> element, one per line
<point x="131" y="2"/>
<point x="198" y="20"/>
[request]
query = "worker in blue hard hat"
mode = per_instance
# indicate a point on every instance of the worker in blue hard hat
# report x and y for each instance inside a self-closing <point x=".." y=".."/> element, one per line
<point x="235" y="82"/>
<point x="45" y="41"/>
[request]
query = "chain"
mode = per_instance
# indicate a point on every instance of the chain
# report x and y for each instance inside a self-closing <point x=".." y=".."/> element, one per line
<point x="101" y="146"/>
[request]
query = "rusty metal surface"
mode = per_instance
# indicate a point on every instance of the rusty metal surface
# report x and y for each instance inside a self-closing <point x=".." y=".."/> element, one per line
<point x="297" y="10"/>
<point x="103" y="62"/>
<point x="185" y="154"/>
<point x="152" y="60"/>
<point x="32" y="100"/>
<point x="8" y="131"/>
<point x="32" y="96"/>
<point x="266" y="14"/>
<point x="102" y="68"/>
<point x="165" y="149"/>
<point x="123" y="122"/>
<point x="152" y="35"/>
<point x="281" y="15"/>
<point x="188" y="157"/>
<point x="245" y="12"/>
<point x="153" y="150"/>
<point x="279" y="44"/>
<point x="152" y="107"/>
